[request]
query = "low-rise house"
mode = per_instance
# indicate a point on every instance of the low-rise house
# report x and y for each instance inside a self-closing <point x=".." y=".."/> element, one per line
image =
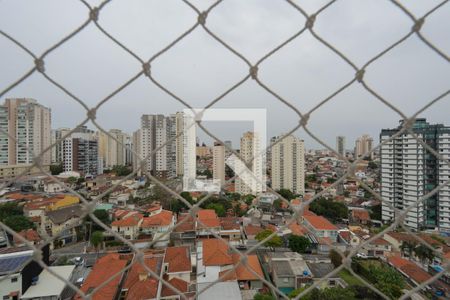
<point x="30" y="235"/>
<point x="62" y="223"/>
<point x="321" y="227"/>
<point x="207" y="222"/>
<point x="47" y="285"/>
<point x="378" y="248"/>
<point x="17" y="273"/>
<point x="289" y="271"/>
<point x="140" y="283"/>
<point x="177" y="263"/>
<point x="359" y="216"/>
<point x="105" y="268"/>
<point x="251" y="231"/>
<point x="128" y="227"/>
<point x="184" y="233"/>
<point x="320" y="270"/>
<point x="216" y="260"/>
<point x="160" y="222"/>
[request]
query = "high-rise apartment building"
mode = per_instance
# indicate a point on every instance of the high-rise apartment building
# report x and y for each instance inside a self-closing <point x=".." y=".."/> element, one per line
<point x="80" y="152"/>
<point x="158" y="133"/>
<point x="136" y="150"/>
<point x="219" y="163"/>
<point x="30" y="125"/>
<point x="179" y="143"/>
<point x="363" y="145"/>
<point x="250" y="152"/>
<point x="57" y="141"/>
<point x="340" y="145"/>
<point x="288" y="164"/>
<point x="112" y="148"/>
<point x="409" y="172"/>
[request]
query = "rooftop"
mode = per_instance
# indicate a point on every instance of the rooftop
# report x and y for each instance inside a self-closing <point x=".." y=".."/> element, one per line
<point x="216" y="253"/>
<point x="319" y="222"/>
<point x="178" y="258"/>
<point x="48" y="285"/>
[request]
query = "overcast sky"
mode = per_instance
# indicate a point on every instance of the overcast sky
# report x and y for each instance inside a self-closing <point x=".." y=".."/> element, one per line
<point x="198" y="68"/>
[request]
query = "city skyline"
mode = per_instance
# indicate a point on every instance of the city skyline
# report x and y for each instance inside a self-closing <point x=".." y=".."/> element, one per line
<point x="318" y="72"/>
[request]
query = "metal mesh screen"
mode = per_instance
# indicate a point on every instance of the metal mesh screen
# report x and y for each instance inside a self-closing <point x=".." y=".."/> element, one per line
<point x="93" y="15"/>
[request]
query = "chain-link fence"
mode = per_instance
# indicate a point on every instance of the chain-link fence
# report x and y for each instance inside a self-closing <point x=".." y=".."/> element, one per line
<point x="93" y="15"/>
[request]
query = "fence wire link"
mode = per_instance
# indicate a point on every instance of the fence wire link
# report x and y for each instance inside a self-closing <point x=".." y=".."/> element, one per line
<point x="93" y="15"/>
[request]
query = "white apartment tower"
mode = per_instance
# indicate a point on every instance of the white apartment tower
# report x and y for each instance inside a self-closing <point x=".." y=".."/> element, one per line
<point x="409" y="172"/>
<point x="137" y="150"/>
<point x="363" y="145"/>
<point x="80" y="152"/>
<point x="219" y="163"/>
<point x="56" y="140"/>
<point x="250" y="152"/>
<point x="340" y="145"/>
<point x="179" y="144"/>
<point x="288" y="164"/>
<point x="112" y="148"/>
<point x="30" y="124"/>
<point x="157" y="135"/>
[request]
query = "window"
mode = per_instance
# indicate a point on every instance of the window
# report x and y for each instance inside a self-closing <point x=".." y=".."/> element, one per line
<point x="286" y="280"/>
<point x="13" y="279"/>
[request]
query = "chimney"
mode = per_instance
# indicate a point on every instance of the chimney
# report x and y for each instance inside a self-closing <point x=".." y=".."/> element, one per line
<point x="143" y="276"/>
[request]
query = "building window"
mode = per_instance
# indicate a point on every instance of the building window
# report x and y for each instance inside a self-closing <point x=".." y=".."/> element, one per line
<point x="13" y="279"/>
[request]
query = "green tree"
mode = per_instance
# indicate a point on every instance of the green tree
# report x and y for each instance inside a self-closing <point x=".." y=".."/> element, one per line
<point x="72" y="180"/>
<point x="218" y="208"/>
<point x="311" y="178"/>
<point x="424" y="253"/>
<point x="372" y="165"/>
<point x="263" y="297"/>
<point x="332" y="293"/>
<point x="96" y="238"/>
<point x="331" y="179"/>
<point x="335" y="257"/>
<point x="332" y="210"/>
<point x="277" y="204"/>
<point x="375" y="212"/>
<point x="286" y="194"/>
<point x="56" y="169"/>
<point x="387" y="280"/>
<point x="18" y="222"/>
<point x="248" y="199"/>
<point x="299" y="243"/>
<point x="275" y="241"/>
<point x="9" y="209"/>
<point x="120" y="170"/>
<point x="187" y="196"/>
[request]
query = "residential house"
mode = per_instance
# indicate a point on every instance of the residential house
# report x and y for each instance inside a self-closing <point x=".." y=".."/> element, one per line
<point x="30" y="235"/>
<point x="359" y="216"/>
<point x="17" y="273"/>
<point x="139" y="282"/>
<point x="128" y="227"/>
<point x="207" y="222"/>
<point x="320" y="270"/>
<point x="63" y="223"/>
<point x="177" y="263"/>
<point x="105" y="268"/>
<point x="289" y="270"/>
<point x="184" y="233"/>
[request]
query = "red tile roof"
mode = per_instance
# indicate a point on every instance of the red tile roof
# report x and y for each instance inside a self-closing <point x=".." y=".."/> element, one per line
<point x="252" y="229"/>
<point x="243" y="271"/>
<point x="177" y="283"/>
<point x="409" y="268"/>
<point x="139" y="282"/>
<point x="178" y="258"/>
<point x="105" y="267"/>
<point x="361" y="214"/>
<point x="28" y="234"/>
<point x="132" y="220"/>
<point x="216" y="253"/>
<point x="345" y="235"/>
<point x="164" y="218"/>
<point x="297" y="229"/>
<point x="187" y="225"/>
<point x="319" y="222"/>
<point x="208" y="218"/>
